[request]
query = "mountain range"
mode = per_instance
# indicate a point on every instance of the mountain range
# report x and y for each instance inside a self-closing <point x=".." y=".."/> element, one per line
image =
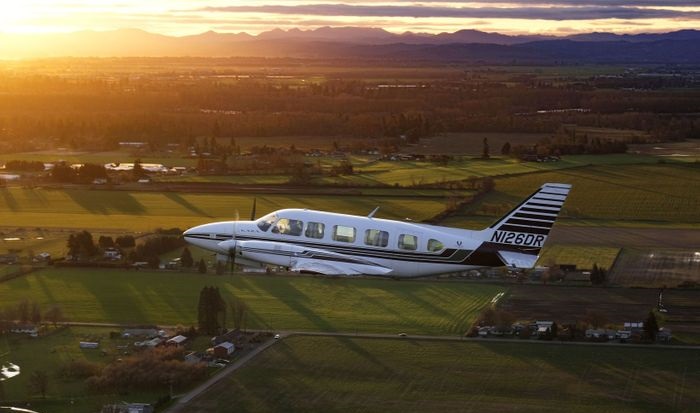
<point x="355" y="42"/>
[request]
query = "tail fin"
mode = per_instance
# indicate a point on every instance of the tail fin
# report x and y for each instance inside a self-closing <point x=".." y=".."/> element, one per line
<point x="517" y="238"/>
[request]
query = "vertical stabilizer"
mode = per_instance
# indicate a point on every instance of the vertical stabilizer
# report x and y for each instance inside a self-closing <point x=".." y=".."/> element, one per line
<point x="516" y="239"/>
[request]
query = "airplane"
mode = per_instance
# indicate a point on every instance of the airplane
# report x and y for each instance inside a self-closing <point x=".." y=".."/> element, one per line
<point x="330" y="243"/>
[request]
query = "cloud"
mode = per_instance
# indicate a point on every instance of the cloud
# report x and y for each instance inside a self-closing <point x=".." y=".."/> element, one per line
<point x="417" y="11"/>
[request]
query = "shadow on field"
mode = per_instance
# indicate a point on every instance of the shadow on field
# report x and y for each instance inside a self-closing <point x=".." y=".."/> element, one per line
<point x="103" y="202"/>
<point x="10" y="200"/>
<point x="38" y="197"/>
<point x="121" y="295"/>
<point x="186" y="204"/>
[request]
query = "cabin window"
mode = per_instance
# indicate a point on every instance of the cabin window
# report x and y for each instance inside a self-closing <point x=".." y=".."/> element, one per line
<point x="435" y="245"/>
<point x="315" y="230"/>
<point x="376" y="238"/>
<point x="266" y="222"/>
<point x="408" y="242"/>
<point x="286" y="226"/>
<point x="343" y="234"/>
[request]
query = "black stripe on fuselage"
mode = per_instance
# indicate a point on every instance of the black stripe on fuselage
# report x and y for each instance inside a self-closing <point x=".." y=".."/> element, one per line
<point x="448" y="256"/>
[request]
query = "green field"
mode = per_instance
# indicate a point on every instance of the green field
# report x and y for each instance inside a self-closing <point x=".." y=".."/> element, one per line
<point x="408" y="173"/>
<point x="656" y="194"/>
<point x="48" y="354"/>
<point x="583" y="256"/>
<point x="321" y="374"/>
<point x="144" y="211"/>
<point x="275" y="302"/>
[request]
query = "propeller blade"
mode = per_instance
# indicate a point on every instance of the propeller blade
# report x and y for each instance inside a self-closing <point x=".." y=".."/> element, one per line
<point x="252" y="213"/>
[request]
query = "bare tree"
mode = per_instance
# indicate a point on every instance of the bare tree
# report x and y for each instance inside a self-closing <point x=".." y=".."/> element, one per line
<point x="39" y="383"/>
<point x="54" y="314"/>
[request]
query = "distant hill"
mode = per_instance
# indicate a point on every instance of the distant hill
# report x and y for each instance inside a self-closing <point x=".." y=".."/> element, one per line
<point x="353" y="42"/>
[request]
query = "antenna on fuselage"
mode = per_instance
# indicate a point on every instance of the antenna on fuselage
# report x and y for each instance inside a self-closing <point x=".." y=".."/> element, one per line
<point x="374" y="211"/>
<point x="252" y="213"/>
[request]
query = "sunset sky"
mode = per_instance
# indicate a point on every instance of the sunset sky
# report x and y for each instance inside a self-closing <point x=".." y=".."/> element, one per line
<point x="183" y="17"/>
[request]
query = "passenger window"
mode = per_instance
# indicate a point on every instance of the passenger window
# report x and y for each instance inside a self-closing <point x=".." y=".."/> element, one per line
<point x="376" y="238"/>
<point x="315" y="230"/>
<point x="343" y="234"/>
<point x="266" y="222"/>
<point x="435" y="245"/>
<point x="288" y="226"/>
<point x="408" y="242"/>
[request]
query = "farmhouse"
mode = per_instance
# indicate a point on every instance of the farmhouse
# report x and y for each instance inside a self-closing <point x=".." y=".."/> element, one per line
<point x="224" y="349"/>
<point x="28" y="329"/>
<point x="176" y="341"/>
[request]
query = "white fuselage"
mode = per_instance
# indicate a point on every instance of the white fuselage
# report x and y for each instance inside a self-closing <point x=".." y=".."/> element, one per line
<point x="374" y="246"/>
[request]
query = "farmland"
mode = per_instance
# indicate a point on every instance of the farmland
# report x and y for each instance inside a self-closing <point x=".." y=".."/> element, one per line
<point x="143" y="211"/>
<point x="275" y="302"/>
<point x="627" y="193"/>
<point x="49" y="354"/>
<point x="583" y="256"/>
<point x="415" y="376"/>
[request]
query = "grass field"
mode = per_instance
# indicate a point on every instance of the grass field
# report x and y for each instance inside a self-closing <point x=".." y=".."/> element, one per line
<point x="320" y="374"/>
<point x="143" y="211"/>
<point x="407" y="173"/>
<point x="652" y="193"/>
<point x="48" y="354"/>
<point x="275" y="302"/>
<point x="583" y="256"/>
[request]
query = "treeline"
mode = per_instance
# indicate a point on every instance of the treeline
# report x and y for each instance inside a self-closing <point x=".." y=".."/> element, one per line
<point x="162" y="109"/>
<point x="24" y="166"/>
<point x="85" y="174"/>
<point x="82" y="247"/>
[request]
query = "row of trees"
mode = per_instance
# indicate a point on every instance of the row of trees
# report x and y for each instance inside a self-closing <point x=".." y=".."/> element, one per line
<point x="27" y="311"/>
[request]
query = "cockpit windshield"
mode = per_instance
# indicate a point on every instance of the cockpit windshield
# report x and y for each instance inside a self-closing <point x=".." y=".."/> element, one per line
<point x="266" y="222"/>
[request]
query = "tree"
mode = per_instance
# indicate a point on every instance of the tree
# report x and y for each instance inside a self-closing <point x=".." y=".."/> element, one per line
<point x="36" y="313"/>
<point x="126" y="241"/>
<point x="138" y="171"/>
<point x="186" y="258"/>
<point x="485" y="153"/>
<point x="595" y="318"/>
<point x="211" y="311"/>
<point x="239" y="312"/>
<point x="651" y="326"/>
<point x="54" y="314"/>
<point x="39" y="383"/>
<point x="105" y="242"/>
<point x="505" y="149"/>
<point x="23" y="311"/>
<point x="598" y="275"/>
<point x="202" y="266"/>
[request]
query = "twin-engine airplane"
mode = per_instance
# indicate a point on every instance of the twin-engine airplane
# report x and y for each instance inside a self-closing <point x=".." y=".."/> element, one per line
<point x="338" y="244"/>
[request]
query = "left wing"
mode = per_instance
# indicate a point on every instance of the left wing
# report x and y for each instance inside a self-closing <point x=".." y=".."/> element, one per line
<point x="299" y="258"/>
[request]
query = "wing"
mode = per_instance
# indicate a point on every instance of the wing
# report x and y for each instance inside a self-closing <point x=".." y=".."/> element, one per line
<point x="301" y="258"/>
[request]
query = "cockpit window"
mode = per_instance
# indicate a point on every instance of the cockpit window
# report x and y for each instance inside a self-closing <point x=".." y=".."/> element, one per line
<point x="266" y="222"/>
<point x="286" y="226"/>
